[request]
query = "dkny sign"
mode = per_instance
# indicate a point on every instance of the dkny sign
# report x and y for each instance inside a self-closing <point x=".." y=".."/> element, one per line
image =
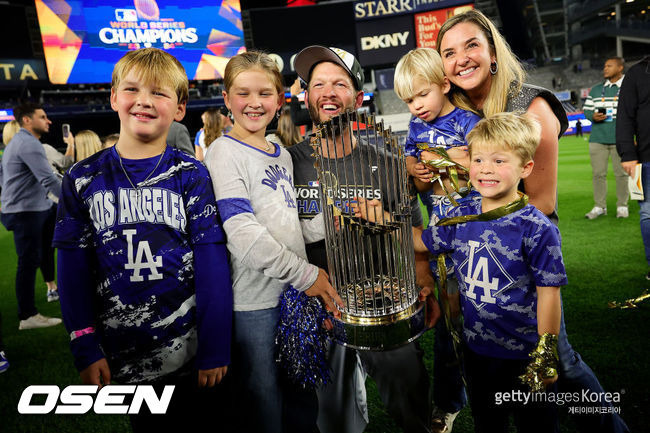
<point x="384" y="41"/>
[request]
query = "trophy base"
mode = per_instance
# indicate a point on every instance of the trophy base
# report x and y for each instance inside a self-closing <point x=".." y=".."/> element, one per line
<point x="385" y="333"/>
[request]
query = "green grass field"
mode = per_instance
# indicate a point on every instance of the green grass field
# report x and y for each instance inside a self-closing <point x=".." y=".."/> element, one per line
<point x="604" y="260"/>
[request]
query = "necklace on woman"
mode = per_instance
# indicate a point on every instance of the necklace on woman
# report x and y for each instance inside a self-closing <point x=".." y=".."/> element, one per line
<point x="137" y="189"/>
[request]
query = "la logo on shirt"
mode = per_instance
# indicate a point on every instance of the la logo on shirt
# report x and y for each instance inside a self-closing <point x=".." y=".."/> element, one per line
<point x="483" y="275"/>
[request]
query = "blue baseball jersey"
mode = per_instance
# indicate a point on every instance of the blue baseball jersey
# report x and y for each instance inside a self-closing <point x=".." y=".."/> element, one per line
<point x="444" y="131"/>
<point x="438" y="208"/>
<point x="499" y="264"/>
<point x="141" y="241"/>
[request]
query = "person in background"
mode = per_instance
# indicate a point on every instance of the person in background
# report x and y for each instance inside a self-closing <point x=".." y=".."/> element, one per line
<point x="578" y="128"/>
<point x="61" y="162"/>
<point x="226" y="121"/>
<point x="212" y="129"/>
<point x="179" y="137"/>
<point x="87" y="143"/>
<point x="600" y="108"/>
<point x="27" y="183"/>
<point x="110" y="140"/>
<point x="634" y="121"/>
<point x="199" y="140"/>
<point x="287" y="133"/>
<point x="299" y="116"/>
<point x="9" y="130"/>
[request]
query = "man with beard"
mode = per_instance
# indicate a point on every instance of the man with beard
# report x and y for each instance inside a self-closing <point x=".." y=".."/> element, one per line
<point x="27" y="183"/>
<point x="334" y="85"/>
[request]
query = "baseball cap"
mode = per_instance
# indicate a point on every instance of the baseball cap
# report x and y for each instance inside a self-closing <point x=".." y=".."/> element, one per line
<point x="314" y="54"/>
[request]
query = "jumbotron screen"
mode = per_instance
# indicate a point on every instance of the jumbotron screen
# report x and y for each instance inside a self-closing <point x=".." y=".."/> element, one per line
<point x="83" y="39"/>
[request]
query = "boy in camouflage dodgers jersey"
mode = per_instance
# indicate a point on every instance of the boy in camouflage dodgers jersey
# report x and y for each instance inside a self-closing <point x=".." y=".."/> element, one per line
<point x="421" y="83"/>
<point x="144" y="277"/>
<point x="509" y="270"/>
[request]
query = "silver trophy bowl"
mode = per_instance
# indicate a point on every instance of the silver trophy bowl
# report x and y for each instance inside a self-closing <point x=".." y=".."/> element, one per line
<point x="371" y="265"/>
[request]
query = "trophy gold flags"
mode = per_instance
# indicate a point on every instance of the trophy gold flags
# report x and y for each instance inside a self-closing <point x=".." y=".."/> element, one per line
<point x="371" y="265"/>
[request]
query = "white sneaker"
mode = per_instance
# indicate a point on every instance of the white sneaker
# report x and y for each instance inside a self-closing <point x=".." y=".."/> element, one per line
<point x="38" y="321"/>
<point x="442" y="422"/>
<point x="595" y="213"/>
<point x="622" y="212"/>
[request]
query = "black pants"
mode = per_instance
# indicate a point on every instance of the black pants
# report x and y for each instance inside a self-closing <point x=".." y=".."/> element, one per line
<point x="33" y="233"/>
<point x="489" y="380"/>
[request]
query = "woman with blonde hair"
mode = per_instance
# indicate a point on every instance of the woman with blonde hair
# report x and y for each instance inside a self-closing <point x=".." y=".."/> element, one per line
<point x="212" y="129"/>
<point x="287" y="132"/>
<point x="487" y="77"/>
<point x="87" y="143"/>
<point x="9" y="131"/>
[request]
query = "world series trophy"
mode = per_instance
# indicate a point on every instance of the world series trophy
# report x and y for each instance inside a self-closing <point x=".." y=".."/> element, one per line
<point x="371" y="265"/>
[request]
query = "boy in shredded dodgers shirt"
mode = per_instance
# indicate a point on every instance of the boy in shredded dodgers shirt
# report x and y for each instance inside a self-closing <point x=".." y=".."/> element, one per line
<point x="421" y="83"/>
<point x="509" y="265"/>
<point x="143" y="271"/>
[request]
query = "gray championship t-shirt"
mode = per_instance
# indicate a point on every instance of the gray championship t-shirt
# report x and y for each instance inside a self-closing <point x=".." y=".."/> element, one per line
<point x="372" y="183"/>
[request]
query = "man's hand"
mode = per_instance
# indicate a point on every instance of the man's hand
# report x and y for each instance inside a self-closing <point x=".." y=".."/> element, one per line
<point x="599" y="117"/>
<point x="433" y="309"/>
<point x="369" y="210"/>
<point x="98" y="373"/>
<point x="323" y="289"/>
<point x="629" y="167"/>
<point x="209" y="378"/>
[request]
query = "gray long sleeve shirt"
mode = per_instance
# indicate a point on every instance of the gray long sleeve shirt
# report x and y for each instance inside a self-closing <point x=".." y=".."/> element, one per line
<point x="26" y="176"/>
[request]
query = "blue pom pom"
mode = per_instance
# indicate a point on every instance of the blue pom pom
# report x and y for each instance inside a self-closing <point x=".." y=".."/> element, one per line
<point x="302" y="341"/>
